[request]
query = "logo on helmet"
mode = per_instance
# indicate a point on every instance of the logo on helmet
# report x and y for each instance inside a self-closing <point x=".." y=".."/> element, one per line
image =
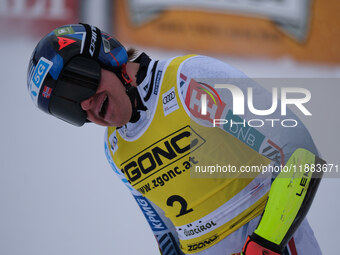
<point x="47" y="92"/>
<point x="63" y="42"/>
<point x="93" y="40"/>
<point x="38" y="77"/>
<point x="64" y="31"/>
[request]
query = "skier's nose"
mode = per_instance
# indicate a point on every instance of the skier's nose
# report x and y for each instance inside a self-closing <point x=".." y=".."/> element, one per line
<point x="87" y="104"/>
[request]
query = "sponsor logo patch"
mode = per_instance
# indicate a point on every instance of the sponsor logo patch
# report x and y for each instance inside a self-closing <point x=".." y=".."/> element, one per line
<point x="47" y="92"/>
<point x="161" y="154"/>
<point x="215" y="105"/>
<point x="63" y="42"/>
<point x="38" y="77"/>
<point x="150" y="214"/>
<point x="249" y="135"/>
<point x="157" y="82"/>
<point x="203" y="244"/>
<point x="106" y="45"/>
<point x="93" y="41"/>
<point x="64" y="31"/>
<point x="169" y="101"/>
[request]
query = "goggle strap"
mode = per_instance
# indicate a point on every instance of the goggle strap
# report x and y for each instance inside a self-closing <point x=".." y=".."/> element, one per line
<point x="125" y="75"/>
<point x="92" y="42"/>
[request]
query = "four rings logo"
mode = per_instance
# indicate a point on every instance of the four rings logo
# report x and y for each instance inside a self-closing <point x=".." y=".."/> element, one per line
<point x="169" y="97"/>
<point x="169" y="101"/>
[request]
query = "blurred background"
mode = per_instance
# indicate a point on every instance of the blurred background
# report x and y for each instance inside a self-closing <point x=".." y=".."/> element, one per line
<point x="58" y="194"/>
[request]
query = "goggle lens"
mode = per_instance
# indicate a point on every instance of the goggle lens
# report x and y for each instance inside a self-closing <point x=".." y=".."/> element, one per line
<point x="78" y="81"/>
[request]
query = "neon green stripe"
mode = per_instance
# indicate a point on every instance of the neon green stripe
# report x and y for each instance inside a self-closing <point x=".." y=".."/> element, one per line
<point x="285" y="197"/>
<point x="208" y="92"/>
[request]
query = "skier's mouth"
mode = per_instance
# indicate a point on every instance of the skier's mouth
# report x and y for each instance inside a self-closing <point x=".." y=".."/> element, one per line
<point x="103" y="107"/>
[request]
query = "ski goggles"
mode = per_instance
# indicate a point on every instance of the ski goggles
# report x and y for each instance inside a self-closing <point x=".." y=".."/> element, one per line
<point x="78" y="81"/>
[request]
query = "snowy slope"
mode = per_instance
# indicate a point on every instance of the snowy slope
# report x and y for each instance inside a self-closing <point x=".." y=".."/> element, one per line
<point x="58" y="194"/>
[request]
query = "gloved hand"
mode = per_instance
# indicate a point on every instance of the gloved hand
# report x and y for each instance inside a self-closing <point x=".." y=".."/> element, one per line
<point x="254" y="246"/>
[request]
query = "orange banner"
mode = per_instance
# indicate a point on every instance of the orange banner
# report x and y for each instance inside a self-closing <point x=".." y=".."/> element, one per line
<point x="307" y="30"/>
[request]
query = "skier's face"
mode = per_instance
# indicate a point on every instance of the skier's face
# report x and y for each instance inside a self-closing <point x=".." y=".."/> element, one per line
<point x="110" y="106"/>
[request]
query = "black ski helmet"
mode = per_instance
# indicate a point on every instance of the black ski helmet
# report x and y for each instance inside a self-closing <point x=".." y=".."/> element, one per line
<point x="65" y="69"/>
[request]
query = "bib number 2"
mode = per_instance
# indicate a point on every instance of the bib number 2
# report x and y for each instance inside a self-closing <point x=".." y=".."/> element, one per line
<point x="184" y="205"/>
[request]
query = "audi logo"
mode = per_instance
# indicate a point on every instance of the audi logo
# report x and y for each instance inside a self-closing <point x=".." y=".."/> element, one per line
<point x="169" y="97"/>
